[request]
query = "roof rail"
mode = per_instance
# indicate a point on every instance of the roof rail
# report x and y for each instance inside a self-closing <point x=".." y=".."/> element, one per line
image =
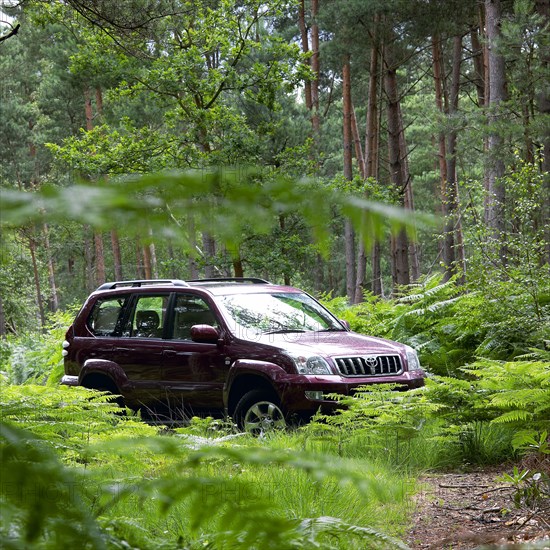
<point x="142" y="282"/>
<point x="251" y="280"/>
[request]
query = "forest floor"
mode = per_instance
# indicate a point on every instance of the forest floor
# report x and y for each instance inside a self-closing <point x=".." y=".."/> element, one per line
<point x="475" y="510"/>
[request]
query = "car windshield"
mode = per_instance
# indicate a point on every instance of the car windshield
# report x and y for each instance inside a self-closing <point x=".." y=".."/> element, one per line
<point x="280" y="312"/>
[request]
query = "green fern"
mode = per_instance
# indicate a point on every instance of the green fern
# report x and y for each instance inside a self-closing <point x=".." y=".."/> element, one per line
<point x="118" y="464"/>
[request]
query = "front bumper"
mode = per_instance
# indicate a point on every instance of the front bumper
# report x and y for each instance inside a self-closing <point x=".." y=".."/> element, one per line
<point x="69" y="380"/>
<point x="299" y="396"/>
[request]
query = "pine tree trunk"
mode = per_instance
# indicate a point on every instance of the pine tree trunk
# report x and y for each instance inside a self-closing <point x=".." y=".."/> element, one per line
<point x="3" y="330"/>
<point x="37" y="285"/>
<point x="99" y="259"/>
<point x="454" y="242"/>
<point x="54" y="300"/>
<point x="400" y="243"/>
<point x="88" y="260"/>
<point x="316" y="68"/>
<point x="361" y="268"/>
<point x="192" y="264"/>
<point x="372" y="160"/>
<point x="348" y="175"/>
<point x="117" y="256"/>
<point x="305" y="48"/>
<point x="408" y="198"/>
<point x="98" y="238"/>
<point x="209" y="251"/>
<point x="479" y="66"/>
<point x="140" y="262"/>
<point x="99" y="101"/>
<point x="284" y="250"/>
<point x="447" y="152"/>
<point x="146" y="255"/>
<point x="357" y="143"/>
<point x="238" y="269"/>
<point x="377" y="286"/>
<point x="494" y="206"/>
<point x="153" y="255"/>
<point x="543" y="10"/>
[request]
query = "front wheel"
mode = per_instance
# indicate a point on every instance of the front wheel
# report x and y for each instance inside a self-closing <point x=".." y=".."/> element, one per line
<point x="259" y="412"/>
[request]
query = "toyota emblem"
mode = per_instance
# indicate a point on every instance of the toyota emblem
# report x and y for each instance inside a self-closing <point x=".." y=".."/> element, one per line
<point x="371" y="362"/>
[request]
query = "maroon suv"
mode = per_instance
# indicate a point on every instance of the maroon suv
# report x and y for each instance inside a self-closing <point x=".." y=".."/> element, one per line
<point x="259" y="352"/>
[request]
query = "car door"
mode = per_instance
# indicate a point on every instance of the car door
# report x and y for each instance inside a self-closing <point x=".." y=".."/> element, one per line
<point x="139" y="349"/>
<point x="104" y="323"/>
<point x="194" y="373"/>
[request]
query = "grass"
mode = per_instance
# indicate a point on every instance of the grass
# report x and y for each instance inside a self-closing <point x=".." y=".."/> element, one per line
<point x="204" y="486"/>
<point x="146" y="487"/>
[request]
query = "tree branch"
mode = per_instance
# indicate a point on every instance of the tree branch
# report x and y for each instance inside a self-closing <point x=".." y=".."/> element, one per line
<point x="13" y="32"/>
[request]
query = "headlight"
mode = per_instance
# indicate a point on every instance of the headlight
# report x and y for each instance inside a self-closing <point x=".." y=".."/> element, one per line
<point x="412" y="359"/>
<point x="311" y="365"/>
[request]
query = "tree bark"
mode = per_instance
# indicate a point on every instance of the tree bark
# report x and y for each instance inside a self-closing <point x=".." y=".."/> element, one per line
<point x="140" y="262"/>
<point x="99" y="259"/>
<point x="372" y="140"/>
<point x="400" y="243"/>
<point x="192" y="264"/>
<point x="494" y="206"/>
<point x="305" y="48"/>
<point x="98" y="237"/>
<point x="543" y="10"/>
<point x="37" y="285"/>
<point x="209" y="251"/>
<point x="447" y="103"/>
<point x="153" y="255"/>
<point x="357" y="143"/>
<point x="238" y="269"/>
<point x="117" y="256"/>
<point x="316" y="68"/>
<point x="54" y="300"/>
<point x="3" y="330"/>
<point x="146" y="255"/>
<point x="408" y="198"/>
<point x="479" y="66"/>
<point x="88" y="260"/>
<point x="454" y="242"/>
<point x="361" y="269"/>
<point x="348" y="175"/>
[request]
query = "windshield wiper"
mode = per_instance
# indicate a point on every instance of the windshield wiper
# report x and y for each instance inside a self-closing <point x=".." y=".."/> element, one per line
<point x="334" y="329"/>
<point x="284" y="331"/>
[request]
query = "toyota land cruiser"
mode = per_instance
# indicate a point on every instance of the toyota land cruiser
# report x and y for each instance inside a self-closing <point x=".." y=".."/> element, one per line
<point x="259" y="352"/>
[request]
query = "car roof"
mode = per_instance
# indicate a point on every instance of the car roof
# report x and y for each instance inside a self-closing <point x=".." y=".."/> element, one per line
<point x="215" y="286"/>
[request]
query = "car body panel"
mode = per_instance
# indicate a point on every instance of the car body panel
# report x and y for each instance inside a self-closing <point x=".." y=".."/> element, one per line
<point x="211" y="375"/>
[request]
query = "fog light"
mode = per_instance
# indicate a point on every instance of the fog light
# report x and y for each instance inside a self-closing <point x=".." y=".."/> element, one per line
<point x="315" y="395"/>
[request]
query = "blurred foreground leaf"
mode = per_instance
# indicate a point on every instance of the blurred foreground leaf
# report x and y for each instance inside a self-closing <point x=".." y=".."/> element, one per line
<point x="225" y="203"/>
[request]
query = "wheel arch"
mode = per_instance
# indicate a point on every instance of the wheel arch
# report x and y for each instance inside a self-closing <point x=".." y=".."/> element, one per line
<point x="99" y="381"/>
<point x="245" y="383"/>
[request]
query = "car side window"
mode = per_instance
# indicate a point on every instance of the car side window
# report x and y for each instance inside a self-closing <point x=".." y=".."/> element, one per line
<point x="148" y="317"/>
<point x="106" y="316"/>
<point x="191" y="310"/>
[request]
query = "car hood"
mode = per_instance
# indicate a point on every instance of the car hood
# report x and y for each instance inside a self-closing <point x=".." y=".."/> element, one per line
<point x="331" y="344"/>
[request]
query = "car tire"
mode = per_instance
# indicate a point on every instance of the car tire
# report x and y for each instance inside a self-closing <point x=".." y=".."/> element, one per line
<point x="104" y="384"/>
<point x="259" y="412"/>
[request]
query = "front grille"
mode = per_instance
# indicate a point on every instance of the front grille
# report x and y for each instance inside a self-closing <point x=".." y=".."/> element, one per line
<point x="369" y="365"/>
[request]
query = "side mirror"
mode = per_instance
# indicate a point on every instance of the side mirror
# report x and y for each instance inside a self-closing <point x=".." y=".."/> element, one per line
<point x="345" y="324"/>
<point x="204" y="333"/>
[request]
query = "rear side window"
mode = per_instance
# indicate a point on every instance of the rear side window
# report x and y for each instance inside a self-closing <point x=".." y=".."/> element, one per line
<point x="106" y="316"/>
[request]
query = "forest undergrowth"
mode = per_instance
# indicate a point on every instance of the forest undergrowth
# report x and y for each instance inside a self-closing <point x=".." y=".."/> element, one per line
<point x="75" y="470"/>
